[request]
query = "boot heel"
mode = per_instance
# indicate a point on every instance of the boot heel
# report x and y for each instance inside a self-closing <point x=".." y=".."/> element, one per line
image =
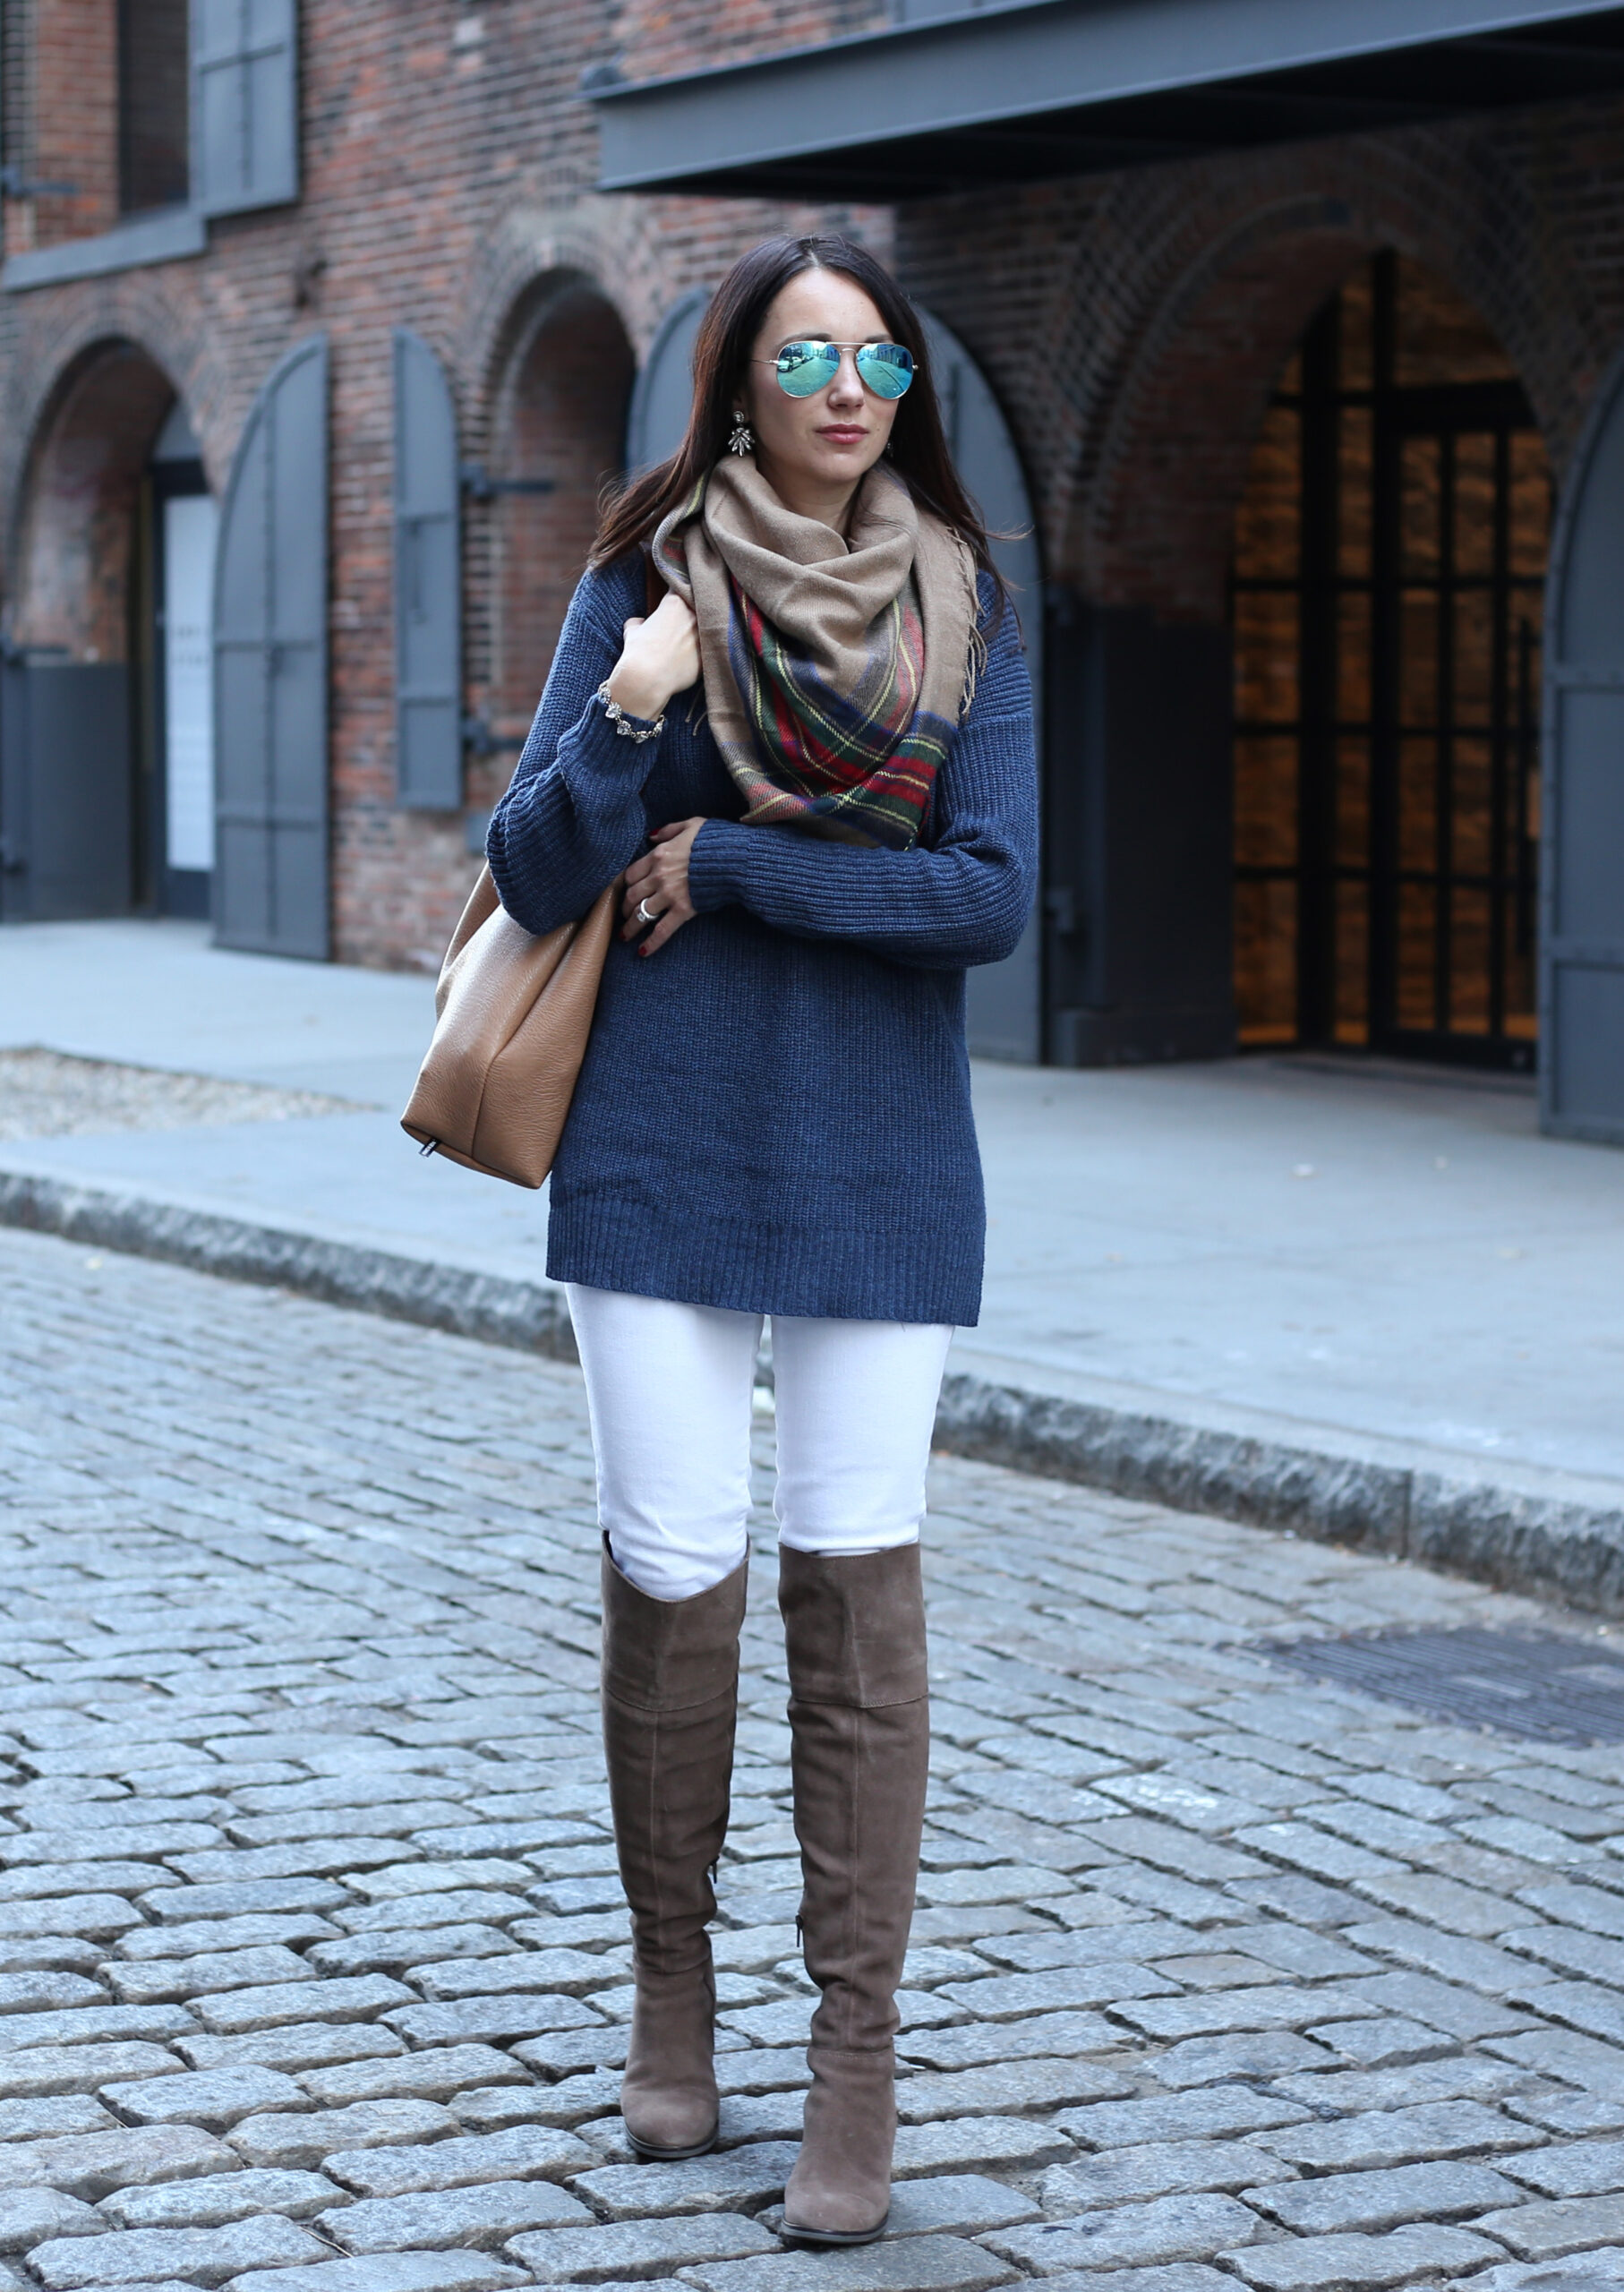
<point x="840" y="2191"/>
<point x="646" y="2153"/>
<point x="669" y="2103"/>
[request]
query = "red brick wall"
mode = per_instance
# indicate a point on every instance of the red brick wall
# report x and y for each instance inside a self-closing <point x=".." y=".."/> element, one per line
<point x="154" y="139"/>
<point x="1131" y="324"/>
<point x="447" y="163"/>
<point x="74" y="73"/>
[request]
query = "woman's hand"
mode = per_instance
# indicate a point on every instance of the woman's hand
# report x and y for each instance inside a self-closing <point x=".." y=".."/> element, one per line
<point x="659" y="657"/>
<point x="659" y="881"/>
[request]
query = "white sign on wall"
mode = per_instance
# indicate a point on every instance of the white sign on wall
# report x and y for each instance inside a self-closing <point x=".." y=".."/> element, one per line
<point x="189" y="531"/>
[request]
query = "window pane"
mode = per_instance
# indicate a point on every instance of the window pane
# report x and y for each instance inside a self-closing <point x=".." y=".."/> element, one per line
<point x="1418" y="659"/>
<point x="1266" y="802"/>
<point x="1473" y="678"/>
<point x="1530" y="506"/>
<point x="1266" y="527"/>
<point x="1474" y="460"/>
<point x="1417" y="804"/>
<point x="1353" y="803"/>
<point x="1266" y="961"/>
<point x="1418" y="466"/>
<point x="1474" y="807"/>
<point x="1418" y="949"/>
<point x="1266" y="657"/>
<point x="1469" y="963"/>
<point x="1353" y="503"/>
<point x="153" y="105"/>
<point x="1354" y="659"/>
<point x="1353" y="962"/>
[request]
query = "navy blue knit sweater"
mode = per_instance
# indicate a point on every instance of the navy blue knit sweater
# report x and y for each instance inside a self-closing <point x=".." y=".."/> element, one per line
<point x="775" y="1110"/>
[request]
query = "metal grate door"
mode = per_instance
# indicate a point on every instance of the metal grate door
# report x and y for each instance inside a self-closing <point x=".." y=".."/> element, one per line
<point x="1388" y="599"/>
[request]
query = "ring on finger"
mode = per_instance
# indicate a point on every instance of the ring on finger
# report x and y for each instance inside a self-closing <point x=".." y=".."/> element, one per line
<point x="645" y="913"/>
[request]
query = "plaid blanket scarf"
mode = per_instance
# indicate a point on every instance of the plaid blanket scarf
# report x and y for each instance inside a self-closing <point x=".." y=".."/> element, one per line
<point x="836" y="667"/>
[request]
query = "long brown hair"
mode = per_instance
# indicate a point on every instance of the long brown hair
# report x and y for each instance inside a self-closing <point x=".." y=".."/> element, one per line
<point x="727" y="336"/>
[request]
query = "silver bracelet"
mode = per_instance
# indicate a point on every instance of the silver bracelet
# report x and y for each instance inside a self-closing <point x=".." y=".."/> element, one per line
<point x="623" y="723"/>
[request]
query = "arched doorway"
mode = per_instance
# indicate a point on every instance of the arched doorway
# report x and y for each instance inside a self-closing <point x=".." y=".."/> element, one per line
<point x="1390" y="565"/>
<point x="107" y="669"/>
<point x="561" y="432"/>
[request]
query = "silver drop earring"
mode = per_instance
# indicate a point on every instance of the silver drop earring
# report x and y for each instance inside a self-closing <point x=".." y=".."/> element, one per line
<point x="743" y="438"/>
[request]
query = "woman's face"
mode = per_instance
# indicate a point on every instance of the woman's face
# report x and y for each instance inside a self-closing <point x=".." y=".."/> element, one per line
<point x="827" y="441"/>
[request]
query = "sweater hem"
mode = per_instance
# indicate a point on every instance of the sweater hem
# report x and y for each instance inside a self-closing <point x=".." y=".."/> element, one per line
<point x="644" y="1270"/>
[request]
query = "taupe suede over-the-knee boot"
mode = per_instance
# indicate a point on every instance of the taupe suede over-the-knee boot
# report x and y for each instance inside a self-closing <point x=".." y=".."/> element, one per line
<point x="670" y="1696"/>
<point x="860" y="1716"/>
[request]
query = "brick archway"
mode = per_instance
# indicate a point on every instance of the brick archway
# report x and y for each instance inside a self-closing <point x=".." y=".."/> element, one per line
<point x="518" y="262"/>
<point x="1157" y="524"/>
<point x="1132" y="325"/>
<point x="143" y="314"/>
<point x="77" y="513"/>
<point x="1170" y="393"/>
<point x="552" y="427"/>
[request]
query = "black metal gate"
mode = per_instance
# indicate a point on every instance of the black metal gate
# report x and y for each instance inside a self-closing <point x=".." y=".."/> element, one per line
<point x="66" y="811"/>
<point x="1387" y="598"/>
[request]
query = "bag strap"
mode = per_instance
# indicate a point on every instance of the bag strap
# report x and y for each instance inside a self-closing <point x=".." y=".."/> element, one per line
<point x="653" y="586"/>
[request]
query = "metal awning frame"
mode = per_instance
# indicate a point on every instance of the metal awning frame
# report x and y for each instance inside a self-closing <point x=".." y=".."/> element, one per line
<point x="1138" y="79"/>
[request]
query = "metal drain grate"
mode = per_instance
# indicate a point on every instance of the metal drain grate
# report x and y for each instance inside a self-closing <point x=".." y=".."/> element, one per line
<point x="1535" y="1684"/>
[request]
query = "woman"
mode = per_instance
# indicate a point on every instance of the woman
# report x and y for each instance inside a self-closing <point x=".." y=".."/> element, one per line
<point x="813" y="763"/>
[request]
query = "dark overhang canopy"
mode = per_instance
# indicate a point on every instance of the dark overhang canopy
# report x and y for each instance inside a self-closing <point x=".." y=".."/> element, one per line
<point x="1002" y="93"/>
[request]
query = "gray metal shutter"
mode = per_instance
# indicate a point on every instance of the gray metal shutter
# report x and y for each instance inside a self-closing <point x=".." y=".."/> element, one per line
<point x="1005" y="1013"/>
<point x="663" y="392"/>
<point x="428" y="583"/>
<point x="270" y="671"/>
<point x="1581" y="823"/>
<point x="244" y="104"/>
<point x="67" y="845"/>
<point x="80" y="823"/>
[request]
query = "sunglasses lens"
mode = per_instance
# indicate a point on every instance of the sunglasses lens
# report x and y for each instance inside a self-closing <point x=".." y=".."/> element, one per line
<point x="886" y="367"/>
<point x="805" y="368"/>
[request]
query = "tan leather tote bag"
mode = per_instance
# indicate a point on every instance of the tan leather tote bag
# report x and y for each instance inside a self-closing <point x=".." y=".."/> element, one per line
<point x="514" y="1013"/>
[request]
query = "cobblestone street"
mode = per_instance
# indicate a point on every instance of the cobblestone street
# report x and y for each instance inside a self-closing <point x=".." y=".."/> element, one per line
<point x="314" y="1972"/>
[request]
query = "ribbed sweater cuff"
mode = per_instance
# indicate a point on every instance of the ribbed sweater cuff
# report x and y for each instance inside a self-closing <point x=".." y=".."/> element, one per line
<point x="594" y="737"/>
<point x="712" y="874"/>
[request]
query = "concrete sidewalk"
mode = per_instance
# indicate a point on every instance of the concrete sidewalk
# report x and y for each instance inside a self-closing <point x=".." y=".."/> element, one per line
<point x="1358" y="1300"/>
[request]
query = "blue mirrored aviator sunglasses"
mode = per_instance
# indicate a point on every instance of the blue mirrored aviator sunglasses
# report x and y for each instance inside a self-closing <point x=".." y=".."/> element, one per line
<point x="805" y="368"/>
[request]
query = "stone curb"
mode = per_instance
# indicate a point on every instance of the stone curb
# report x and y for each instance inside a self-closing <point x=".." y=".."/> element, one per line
<point x="482" y="1306"/>
<point x="1518" y="1539"/>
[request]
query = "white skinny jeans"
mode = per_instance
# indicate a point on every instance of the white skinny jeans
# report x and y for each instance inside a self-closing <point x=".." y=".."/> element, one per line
<point x="668" y="1388"/>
